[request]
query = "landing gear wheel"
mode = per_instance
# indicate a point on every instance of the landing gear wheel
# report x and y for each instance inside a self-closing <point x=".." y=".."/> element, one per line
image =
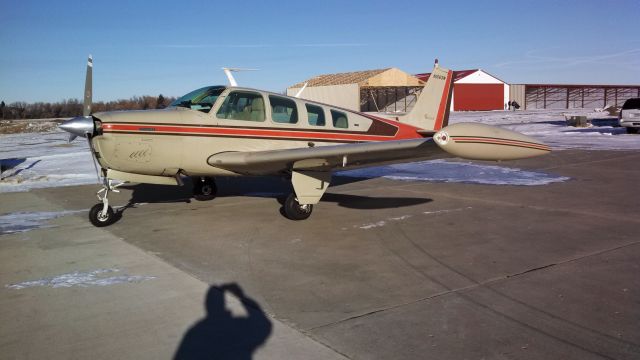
<point x="204" y="188"/>
<point x="294" y="211"/>
<point x="98" y="219"/>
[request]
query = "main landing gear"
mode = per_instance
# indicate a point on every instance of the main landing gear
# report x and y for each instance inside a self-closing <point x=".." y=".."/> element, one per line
<point x="204" y="188"/>
<point x="308" y="188"/>
<point x="102" y="214"/>
<point x="296" y="211"/>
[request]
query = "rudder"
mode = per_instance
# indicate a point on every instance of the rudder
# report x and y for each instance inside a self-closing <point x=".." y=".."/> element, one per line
<point x="431" y="111"/>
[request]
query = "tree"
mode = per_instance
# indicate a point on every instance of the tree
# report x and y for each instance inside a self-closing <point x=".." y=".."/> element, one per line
<point x="160" y="102"/>
<point x="2" y="106"/>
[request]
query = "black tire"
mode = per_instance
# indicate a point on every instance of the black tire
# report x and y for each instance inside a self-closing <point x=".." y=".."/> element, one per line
<point x="204" y="189"/>
<point x="632" y="130"/>
<point x="294" y="211"/>
<point x="101" y="221"/>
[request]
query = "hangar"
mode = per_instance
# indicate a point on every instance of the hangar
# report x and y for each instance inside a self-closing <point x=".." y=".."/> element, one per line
<point x="476" y="90"/>
<point x="381" y="90"/>
<point x="567" y="96"/>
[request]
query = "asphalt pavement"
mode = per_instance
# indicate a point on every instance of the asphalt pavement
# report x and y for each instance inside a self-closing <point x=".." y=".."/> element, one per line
<point x="383" y="269"/>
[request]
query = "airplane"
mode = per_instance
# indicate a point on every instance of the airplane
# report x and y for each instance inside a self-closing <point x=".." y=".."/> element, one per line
<point x="236" y="131"/>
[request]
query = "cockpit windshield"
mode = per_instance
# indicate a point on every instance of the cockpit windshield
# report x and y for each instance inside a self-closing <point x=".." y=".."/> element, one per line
<point x="201" y="99"/>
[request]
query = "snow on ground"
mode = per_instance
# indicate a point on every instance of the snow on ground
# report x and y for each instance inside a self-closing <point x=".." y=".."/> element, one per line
<point x="82" y="279"/>
<point x="454" y="171"/>
<point x="24" y="221"/>
<point x="38" y="160"/>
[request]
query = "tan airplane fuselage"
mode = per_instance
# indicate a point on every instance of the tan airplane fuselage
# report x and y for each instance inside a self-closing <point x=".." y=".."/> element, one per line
<point x="180" y="140"/>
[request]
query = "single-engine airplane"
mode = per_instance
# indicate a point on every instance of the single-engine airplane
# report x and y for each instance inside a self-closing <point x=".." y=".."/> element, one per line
<point x="234" y="131"/>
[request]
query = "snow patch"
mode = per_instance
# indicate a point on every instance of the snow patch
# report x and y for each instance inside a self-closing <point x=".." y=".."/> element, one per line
<point x="449" y="171"/>
<point x="82" y="279"/>
<point x="404" y="217"/>
<point x="373" y="225"/>
<point x="446" y="211"/>
<point x="19" y="222"/>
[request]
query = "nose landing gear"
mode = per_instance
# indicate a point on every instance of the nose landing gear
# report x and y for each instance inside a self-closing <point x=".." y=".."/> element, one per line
<point x="102" y="214"/>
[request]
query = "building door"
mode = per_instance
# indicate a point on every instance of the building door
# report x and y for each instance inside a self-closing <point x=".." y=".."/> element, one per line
<point x="472" y="97"/>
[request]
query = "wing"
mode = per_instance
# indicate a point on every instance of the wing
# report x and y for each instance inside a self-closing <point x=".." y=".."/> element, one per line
<point x="324" y="158"/>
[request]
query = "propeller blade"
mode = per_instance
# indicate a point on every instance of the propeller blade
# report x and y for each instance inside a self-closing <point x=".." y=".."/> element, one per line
<point x="88" y="88"/>
<point x="72" y="137"/>
<point x="93" y="158"/>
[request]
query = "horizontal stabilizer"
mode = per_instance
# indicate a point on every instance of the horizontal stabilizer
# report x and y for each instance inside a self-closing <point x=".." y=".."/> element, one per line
<point x="484" y="142"/>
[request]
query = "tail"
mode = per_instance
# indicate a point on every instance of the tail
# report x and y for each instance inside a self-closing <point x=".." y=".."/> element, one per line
<point x="431" y="111"/>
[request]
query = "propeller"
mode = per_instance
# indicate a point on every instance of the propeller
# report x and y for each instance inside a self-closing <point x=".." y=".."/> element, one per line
<point x="83" y="126"/>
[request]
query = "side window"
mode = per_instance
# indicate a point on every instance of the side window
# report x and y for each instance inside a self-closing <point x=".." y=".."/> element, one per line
<point x="339" y="119"/>
<point x="239" y="105"/>
<point x="283" y="110"/>
<point x="316" y="115"/>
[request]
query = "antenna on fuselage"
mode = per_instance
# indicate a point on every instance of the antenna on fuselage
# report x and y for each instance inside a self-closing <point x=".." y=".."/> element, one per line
<point x="297" y="95"/>
<point x="229" y="71"/>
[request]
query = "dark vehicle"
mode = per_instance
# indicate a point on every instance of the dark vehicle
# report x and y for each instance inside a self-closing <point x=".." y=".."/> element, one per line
<point x="630" y="115"/>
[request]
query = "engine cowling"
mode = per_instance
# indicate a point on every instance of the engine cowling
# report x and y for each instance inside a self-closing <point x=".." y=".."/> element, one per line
<point x="484" y="142"/>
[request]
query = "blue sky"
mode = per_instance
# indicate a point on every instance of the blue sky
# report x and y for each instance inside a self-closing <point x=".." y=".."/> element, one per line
<point x="172" y="47"/>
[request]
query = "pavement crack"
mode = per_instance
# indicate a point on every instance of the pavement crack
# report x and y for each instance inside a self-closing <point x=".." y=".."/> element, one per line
<point x="530" y="270"/>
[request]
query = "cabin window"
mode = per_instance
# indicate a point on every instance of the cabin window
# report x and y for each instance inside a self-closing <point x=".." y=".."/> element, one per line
<point x="283" y="110"/>
<point x="315" y="115"/>
<point x="339" y="119"/>
<point x="240" y="105"/>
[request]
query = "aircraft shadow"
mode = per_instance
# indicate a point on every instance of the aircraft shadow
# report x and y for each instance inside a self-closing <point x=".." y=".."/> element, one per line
<point x="220" y="335"/>
<point x="369" y="203"/>
<point x="266" y="187"/>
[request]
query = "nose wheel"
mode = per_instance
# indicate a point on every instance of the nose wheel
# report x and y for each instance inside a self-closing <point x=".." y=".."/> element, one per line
<point x="100" y="217"/>
<point x="296" y="211"/>
<point x="204" y="188"/>
<point x="102" y="214"/>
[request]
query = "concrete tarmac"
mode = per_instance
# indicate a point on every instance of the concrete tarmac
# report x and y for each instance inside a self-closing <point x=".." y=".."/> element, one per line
<point x="382" y="270"/>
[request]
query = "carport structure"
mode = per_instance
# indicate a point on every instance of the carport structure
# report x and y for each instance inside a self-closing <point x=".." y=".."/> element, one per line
<point x="558" y="96"/>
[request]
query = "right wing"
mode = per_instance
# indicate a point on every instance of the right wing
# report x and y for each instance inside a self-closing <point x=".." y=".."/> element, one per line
<point x="323" y="158"/>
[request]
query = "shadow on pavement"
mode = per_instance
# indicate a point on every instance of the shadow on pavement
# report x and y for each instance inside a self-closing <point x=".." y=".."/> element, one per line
<point x="366" y="202"/>
<point x="220" y="335"/>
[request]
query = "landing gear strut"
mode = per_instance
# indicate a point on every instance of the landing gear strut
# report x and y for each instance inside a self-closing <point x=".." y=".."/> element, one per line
<point x="294" y="210"/>
<point x="102" y="214"/>
<point x="204" y="188"/>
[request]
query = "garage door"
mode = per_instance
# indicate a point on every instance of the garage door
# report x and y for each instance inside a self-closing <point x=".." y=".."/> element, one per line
<point x="468" y="97"/>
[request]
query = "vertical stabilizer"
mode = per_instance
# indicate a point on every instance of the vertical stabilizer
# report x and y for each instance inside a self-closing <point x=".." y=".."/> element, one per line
<point x="431" y="111"/>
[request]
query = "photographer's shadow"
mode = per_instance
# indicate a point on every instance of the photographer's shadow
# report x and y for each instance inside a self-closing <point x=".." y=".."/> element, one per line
<point x="220" y="335"/>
